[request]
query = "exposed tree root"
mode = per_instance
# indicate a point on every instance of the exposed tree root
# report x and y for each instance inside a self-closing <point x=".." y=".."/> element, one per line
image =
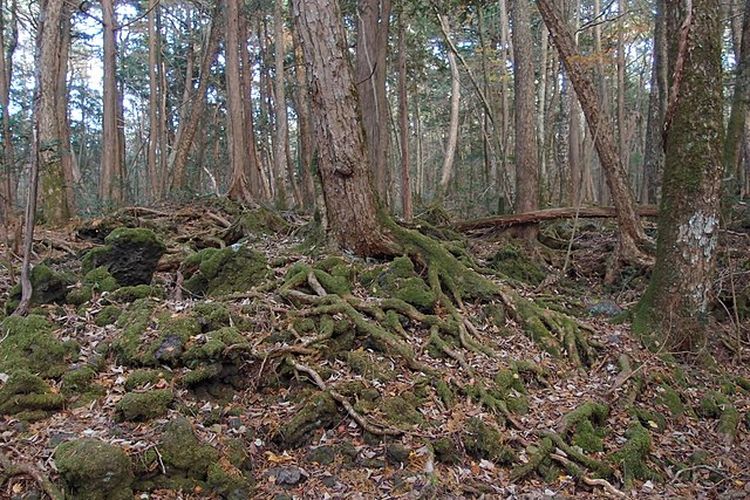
<point x="11" y="469"/>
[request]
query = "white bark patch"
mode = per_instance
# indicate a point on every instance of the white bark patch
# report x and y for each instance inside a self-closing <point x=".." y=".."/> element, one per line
<point x="697" y="241"/>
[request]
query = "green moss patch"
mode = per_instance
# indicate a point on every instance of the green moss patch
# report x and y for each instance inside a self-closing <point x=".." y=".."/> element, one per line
<point x="511" y="261"/>
<point x="28" y="396"/>
<point x="316" y="412"/>
<point x="31" y="345"/>
<point x="140" y="406"/>
<point x="140" y="378"/>
<point x="94" y="470"/>
<point x="400" y="280"/>
<point x="216" y="272"/>
<point x="48" y="287"/>
<point x="633" y="456"/>
<point x="108" y="315"/>
<point x="482" y="441"/>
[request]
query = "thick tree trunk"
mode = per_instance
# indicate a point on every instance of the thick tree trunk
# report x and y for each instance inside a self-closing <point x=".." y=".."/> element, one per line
<point x="6" y="71"/>
<point x="66" y="156"/>
<point x="653" y="162"/>
<point x="305" y="132"/>
<point x="196" y="106"/>
<point x="676" y="301"/>
<point x="352" y="205"/>
<point x="54" y="192"/>
<point x="371" y="64"/>
<point x="403" y="120"/>
<point x="527" y="173"/>
<point x="631" y="230"/>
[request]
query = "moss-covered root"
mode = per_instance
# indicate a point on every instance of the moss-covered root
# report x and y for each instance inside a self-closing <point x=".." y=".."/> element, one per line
<point x="599" y="468"/>
<point x="717" y="405"/>
<point x="539" y="455"/>
<point x="552" y="330"/>
<point x="633" y="456"/>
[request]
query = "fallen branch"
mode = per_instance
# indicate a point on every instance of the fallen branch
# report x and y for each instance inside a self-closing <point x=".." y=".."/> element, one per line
<point x="588" y="480"/>
<point x="506" y="221"/>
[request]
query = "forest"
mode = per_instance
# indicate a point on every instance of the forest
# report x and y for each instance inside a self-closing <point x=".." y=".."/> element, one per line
<point x="374" y="249"/>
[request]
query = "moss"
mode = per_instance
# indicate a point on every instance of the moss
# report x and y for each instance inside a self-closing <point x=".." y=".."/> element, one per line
<point x="339" y="285"/>
<point x="633" y="456"/>
<point x="363" y="363"/>
<point x="316" y="412"/>
<point x="511" y="389"/>
<point x="132" y="323"/>
<point x="79" y="385"/>
<point x="511" y="261"/>
<point x="226" y="480"/>
<point x="129" y="294"/>
<point x="728" y="422"/>
<point x="202" y="374"/>
<point x="100" y="280"/>
<point x="108" y="315"/>
<point x="94" y="470"/>
<point x="142" y="377"/>
<point x="211" y="315"/>
<point x="482" y="441"/>
<point x="399" y="280"/>
<point x="672" y="400"/>
<point x="30" y="345"/>
<point x="446" y="451"/>
<point x="712" y="405"/>
<point x="221" y="272"/>
<point x="258" y="221"/>
<point x="79" y="296"/>
<point x="140" y="406"/>
<point x="649" y="419"/>
<point x="183" y="454"/>
<point x="402" y="410"/>
<point x="48" y="287"/>
<point x="445" y="393"/>
<point x="213" y="344"/>
<point x="323" y="455"/>
<point x="130" y="255"/>
<point x="26" y="392"/>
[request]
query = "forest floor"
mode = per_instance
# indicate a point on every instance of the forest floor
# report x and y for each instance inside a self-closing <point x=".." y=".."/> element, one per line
<point x="273" y="369"/>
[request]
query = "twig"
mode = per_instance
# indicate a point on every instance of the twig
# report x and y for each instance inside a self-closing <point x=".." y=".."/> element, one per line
<point x="588" y="480"/>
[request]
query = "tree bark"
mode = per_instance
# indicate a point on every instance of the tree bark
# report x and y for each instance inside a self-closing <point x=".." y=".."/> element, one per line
<point x="653" y="163"/>
<point x="111" y="179"/>
<point x="674" y="307"/>
<point x="352" y="206"/>
<point x="197" y="103"/>
<point x="305" y="133"/>
<point x="527" y="173"/>
<point x="403" y="120"/>
<point x="154" y="87"/>
<point x="631" y="231"/>
<point x="371" y="64"/>
<point x="452" y="141"/>
<point x="736" y="126"/>
<point x="6" y="71"/>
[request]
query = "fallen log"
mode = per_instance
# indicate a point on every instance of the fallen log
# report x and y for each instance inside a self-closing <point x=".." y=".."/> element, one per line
<point x="506" y="221"/>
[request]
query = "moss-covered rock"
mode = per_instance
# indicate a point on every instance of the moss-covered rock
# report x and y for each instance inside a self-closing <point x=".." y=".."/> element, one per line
<point x="402" y="410"/>
<point x="211" y="315"/>
<point x="94" y="470"/>
<point x="129" y="294"/>
<point x="130" y="255"/>
<point x="140" y="378"/>
<point x="400" y="280"/>
<point x="48" y="287"/>
<point x="446" y="451"/>
<point x="100" y="280"/>
<point x="586" y="424"/>
<point x="216" y="272"/>
<point x="633" y="456"/>
<point x="31" y="345"/>
<point x="671" y="399"/>
<point x="140" y="406"/>
<point x="318" y="411"/>
<point x="108" y="315"/>
<point x="511" y="261"/>
<point x="482" y="441"/>
<point x="132" y="324"/>
<point x="79" y="386"/>
<point x="183" y="454"/>
<point x="28" y="396"/>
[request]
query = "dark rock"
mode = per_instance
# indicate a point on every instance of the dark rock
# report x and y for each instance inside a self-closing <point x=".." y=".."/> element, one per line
<point x="130" y="255"/>
<point x="605" y="308"/>
<point x="322" y="455"/>
<point x="48" y="287"/>
<point x="170" y="350"/>
<point x="287" y="476"/>
<point x="397" y="452"/>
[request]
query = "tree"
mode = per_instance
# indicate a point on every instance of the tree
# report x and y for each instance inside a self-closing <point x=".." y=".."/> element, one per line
<point x="55" y="206"/>
<point x="527" y="174"/>
<point x="403" y="121"/>
<point x="452" y="140"/>
<point x="111" y="183"/>
<point x="736" y="127"/>
<point x="632" y="237"/>
<point x="676" y="302"/>
<point x="372" y="48"/>
<point x="7" y="190"/>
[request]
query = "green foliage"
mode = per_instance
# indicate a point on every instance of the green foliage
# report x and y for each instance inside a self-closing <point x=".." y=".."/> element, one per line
<point x="482" y="441"/>
<point x="139" y="406"/>
<point x="30" y="345"/>
<point x="94" y="470"/>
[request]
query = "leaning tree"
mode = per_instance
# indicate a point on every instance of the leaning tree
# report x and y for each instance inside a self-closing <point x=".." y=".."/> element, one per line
<point x="676" y="300"/>
<point x="359" y="224"/>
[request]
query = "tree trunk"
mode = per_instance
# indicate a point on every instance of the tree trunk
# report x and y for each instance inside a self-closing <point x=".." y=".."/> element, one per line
<point x="6" y="72"/>
<point x="305" y="132"/>
<point x="527" y="174"/>
<point x="676" y="301"/>
<point x="371" y="64"/>
<point x="403" y="115"/>
<point x="152" y="163"/>
<point x="66" y="156"/>
<point x="736" y="127"/>
<point x="196" y="105"/>
<point x="111" y="181"/>
<point x="55" y="203"/>
<point x="631" y="231"/>
<point x="653" y="162"/>
<point x="452" y="141"/>
<point x="352" y="205"/>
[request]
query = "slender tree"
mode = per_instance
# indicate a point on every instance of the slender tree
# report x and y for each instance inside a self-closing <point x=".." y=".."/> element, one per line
<point x="452" y="140"/>
<point x="403" y="120"/>
<point x="111" y="182"/>
<point x="676" y="302"/>
<point x="736" y="127"/>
